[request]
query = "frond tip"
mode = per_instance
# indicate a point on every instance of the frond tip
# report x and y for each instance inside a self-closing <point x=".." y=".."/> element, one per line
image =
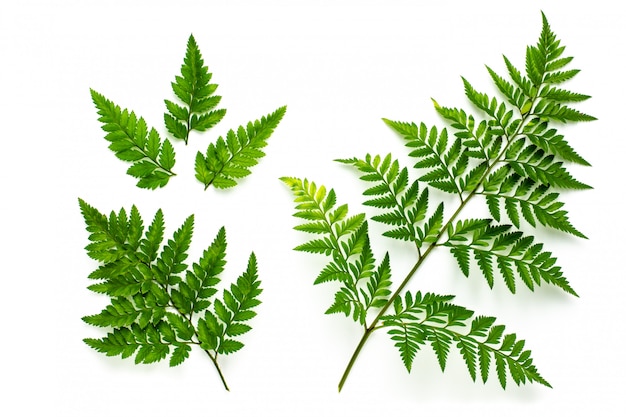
<point x="194" y="90"/>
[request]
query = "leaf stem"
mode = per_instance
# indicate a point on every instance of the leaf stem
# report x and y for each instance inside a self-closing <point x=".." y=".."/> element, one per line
<point x="217" y="367"/>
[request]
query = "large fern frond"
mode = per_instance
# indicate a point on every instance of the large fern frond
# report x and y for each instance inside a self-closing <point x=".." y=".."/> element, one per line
<point x="159" y="306"/>
<point x="511" y="155"/>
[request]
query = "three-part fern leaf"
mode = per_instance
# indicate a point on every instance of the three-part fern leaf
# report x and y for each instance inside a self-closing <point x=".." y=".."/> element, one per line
<point x="514" y="159"/>
<point x="160" y="306"/>
<point x="225" y="162"/>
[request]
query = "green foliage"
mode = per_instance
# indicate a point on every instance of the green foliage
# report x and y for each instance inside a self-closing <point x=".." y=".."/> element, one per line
<point x="194" y="90"/>
<point x="363" y="287"/>
<point x="511" y="156"/>
<point x="225" y="162"/>
<point x="229" y="160"/>
<point x="432" y="319"/>
<point x="514" y="254"/>
<point x="131" y="141"/>
<point x="159" y="305"/>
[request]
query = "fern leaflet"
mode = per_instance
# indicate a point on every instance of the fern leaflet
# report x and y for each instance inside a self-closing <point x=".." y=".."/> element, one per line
<point x="229" y="160"/>
<point x="131" y="141"/>
<point x="429" y="318"/>
<point x="346" y="242"/>
<point x="194" y="90"/>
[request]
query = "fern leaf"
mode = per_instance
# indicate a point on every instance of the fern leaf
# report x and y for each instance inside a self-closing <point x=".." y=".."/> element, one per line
<point x="378" y="285"/>
<point x="514" y="254"/>
<point x="146" y="344"/>
<point x="534" y="201"/>
<point x="402" y="205"/>
<point x="160" y="306"/>
<point x="431" y="150"/>
<point x="125" y="311"/>
<point x="432" y="228"/>
<point x="345" y="239"/>
<point x="130" y="140"/>
<point x="227" y="161"/>
<point x="408" y="339"/>
<point x="194" y="90"/>
<point x="534" y="163"/>
<point x="550" y="141"/>
<point x="550" y="109"/>
<point x="202" y="278"/>
<point x="238" y="307"/>
<point x="513" y="157"/>
<point x="432" y="319"/>
<point x="171" y="261"/>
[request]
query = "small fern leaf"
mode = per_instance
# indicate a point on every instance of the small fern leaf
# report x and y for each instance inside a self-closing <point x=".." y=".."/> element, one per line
<point x="547" y="139"/>
<point x="130" y="140"/>
<point x="362" y="287"/>
<point x="534" y="202"/>
<point x="408" y="339"/>
<point x="227" y="161"/>
<point x="378" y="285"/>
<point x="431" y="230"/>
<point x="237" y="307"/>
<point x="181" y="352"/>
<point x="533" y="162"/>
<point x="194" y="90"/>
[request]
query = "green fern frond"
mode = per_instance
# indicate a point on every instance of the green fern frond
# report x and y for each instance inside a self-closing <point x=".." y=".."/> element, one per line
<point x="157" y="301"/>
<point x="548" y="140"/>
<point x="538" y="165"/>
<point x="431" y="319"/>
<point x="524" y="196"/>
<point x="445" y="163"/>
<point x="515" y="255"/>
<point x="362" y="286"/>
<point x="218" y="329"/>
<point x="510" y="154"/>
<point x="227" y="161"/>
<point x="404" y="206"/>
<point x="131" y="141"/>
<point x="479" y="142"/>
<point x="194" y="90"/>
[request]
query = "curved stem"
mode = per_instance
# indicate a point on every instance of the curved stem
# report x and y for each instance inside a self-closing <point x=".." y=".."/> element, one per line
<point x="217" y="367"/>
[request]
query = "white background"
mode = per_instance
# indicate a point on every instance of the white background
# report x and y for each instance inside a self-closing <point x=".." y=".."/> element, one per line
<point x="339" y="66"/>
